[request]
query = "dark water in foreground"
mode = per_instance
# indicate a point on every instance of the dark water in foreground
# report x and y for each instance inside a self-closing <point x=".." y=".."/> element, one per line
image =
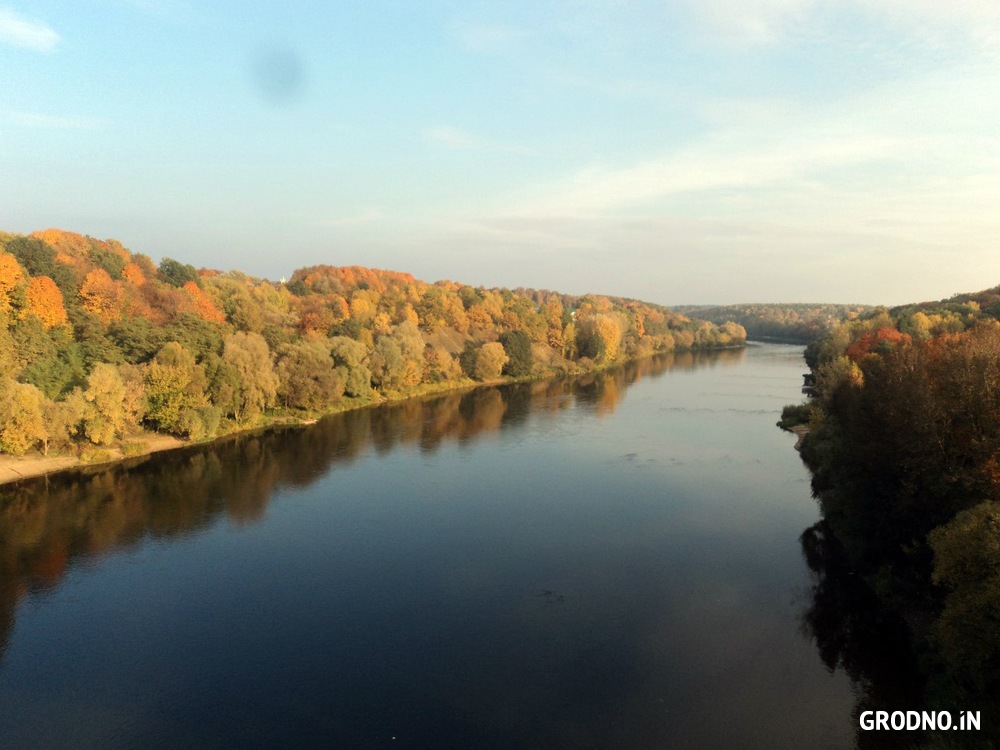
<point x="608" y="562"/>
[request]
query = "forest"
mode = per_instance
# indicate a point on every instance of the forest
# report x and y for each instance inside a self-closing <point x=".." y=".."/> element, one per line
<point x="903" y="443"/>
<point x="100" y="346"/>
<point x="793" y="323"/>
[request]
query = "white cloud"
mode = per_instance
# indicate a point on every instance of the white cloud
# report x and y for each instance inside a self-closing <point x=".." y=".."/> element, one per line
<point x="715" y="164"/>
<point x="21" y="31"/>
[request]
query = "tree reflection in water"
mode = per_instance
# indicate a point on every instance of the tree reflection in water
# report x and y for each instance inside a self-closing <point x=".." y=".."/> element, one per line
<point x="853" y="631"/>
<point x="50" y="524"/>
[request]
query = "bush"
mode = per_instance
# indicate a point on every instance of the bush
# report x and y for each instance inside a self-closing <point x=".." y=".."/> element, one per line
<point x="794" y="415"/>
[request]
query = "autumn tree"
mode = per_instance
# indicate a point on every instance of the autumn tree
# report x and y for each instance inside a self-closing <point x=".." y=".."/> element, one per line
<point x="250" y="357"/>
<point x="11" y="276"/>
<point x="203" y="306"/>
<point x="105" y="418"/>
<point x="599" y="337"/>
<point x="490" y="361"/>
<point x="102" y="295"/>
<point x="62" y="420"/>
<point x="21" y="423"/>
<point x="440" y="366"/>
<point x="133" y="274"/>
<point x="397" y="361"/>
<point x="45" y="301"/>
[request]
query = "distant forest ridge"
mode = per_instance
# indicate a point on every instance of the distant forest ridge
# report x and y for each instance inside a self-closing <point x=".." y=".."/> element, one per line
<point x="99" y="344"/>
<point x="796" y="323"/>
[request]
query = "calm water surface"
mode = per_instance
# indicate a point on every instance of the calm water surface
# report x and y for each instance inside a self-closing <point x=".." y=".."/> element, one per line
<point x="610" y="562"/>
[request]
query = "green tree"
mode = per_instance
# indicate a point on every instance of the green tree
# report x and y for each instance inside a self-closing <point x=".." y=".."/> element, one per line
<point x="967" y="563"/>
<point x="178" y="274"/>
<point x="351" y="359"/>
<point x="517" y="346"/>
<point x="39" y="259"/>
<point x="137" y="338"/>
<point x="307" y="376"/>
<point x="250" y="357"/>
<point x="107" y="259"/>
<point x="198" y="335"/>
<point x="175" y="384"/>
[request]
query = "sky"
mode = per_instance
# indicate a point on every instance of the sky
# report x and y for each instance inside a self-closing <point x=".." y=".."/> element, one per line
<point x="676" y="151"/>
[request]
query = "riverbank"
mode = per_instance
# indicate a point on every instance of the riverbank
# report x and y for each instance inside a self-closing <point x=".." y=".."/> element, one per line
<point x="93" y="458"/>
<point x="31" y="466"/>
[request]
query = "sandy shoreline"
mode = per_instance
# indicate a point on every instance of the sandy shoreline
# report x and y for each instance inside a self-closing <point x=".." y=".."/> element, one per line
<point x="16" y="468"/>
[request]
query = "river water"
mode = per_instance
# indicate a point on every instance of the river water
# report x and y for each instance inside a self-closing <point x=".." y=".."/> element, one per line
<point x="609" y="562"/>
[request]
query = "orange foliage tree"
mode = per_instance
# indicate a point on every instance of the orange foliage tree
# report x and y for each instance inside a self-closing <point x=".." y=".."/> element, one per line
<point x="133" y="274"/>
<point x="46" y="301"/>
<point x="879" y="341"/>
<point x="102" y="295"/>
<point x="203" y="306"/>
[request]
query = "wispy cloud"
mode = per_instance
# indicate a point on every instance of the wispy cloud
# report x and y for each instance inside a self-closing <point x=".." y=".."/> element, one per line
<point x="17" y="30"/>
<point x="716" y="164"/>
<point x="752" y="21"/>
<point x="58" y="122"/>
<point x="456" y="139"/>
<point x="762" y="22"/>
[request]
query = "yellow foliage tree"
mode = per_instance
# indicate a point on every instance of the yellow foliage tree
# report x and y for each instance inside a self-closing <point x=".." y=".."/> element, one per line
<point x="11" y="276"/>
<point x="21" y="423"/>
<point x="102" y="295"/>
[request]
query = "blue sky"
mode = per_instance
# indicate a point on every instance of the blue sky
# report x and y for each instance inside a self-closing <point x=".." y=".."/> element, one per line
<point x="680" y="151"/>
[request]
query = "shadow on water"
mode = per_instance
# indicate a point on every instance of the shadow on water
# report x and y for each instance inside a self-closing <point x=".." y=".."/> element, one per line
<point x="854" y="631"/>
<point x="48" y="525"/>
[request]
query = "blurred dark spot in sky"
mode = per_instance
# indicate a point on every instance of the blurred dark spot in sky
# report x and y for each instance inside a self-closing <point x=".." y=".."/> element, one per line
<point x="278" y="75"/>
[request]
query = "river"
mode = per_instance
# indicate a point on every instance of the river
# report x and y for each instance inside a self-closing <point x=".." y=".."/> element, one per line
<point x="607" y="562"/>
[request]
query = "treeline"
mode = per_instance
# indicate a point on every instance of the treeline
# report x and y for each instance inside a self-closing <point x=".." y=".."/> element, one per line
<point x="98" y="344"/>
<point x="795" y="323"/>
<point x="904" y="446"/>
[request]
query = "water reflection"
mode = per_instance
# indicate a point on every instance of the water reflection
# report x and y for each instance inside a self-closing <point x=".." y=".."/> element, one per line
<point x="854" y="632"/>
<point x="49" y="525"/>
